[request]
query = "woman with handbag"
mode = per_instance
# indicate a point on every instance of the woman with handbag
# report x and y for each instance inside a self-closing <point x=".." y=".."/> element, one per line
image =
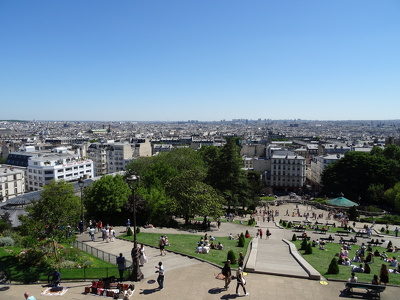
<point x="240" y="282"/>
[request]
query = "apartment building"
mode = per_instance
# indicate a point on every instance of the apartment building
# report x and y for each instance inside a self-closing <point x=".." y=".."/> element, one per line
<point x="288" y="170"/>
<point x="58" y="166"/>
<point x="318" y="164"/>
<point x="12" y="182"/>
<point x="118" y="155"/>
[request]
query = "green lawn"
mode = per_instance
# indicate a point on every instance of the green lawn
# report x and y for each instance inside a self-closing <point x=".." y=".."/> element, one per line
<point x="187" y="243"/>
<point x="320" y="260"/>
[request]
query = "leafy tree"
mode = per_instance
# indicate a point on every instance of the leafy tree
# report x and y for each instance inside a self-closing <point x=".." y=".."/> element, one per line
<point x="358" y="171"/>
<point x="106" y="196"/>
<point x="225" y="173"/>
<point x="189" y="196"/>
<point x="375" y="193"/>
<point x="392" y="196"/>
<point x="48" y="217"/>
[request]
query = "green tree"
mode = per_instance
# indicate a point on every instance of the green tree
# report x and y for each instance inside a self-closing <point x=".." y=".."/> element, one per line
<point x="225" y="173"/>
<point x="358" y="171"/>
<point x="106" y="196"/>
<point x="392" y="197"/>
<point x="189" y="196"/>
<point x="48" y="217"/>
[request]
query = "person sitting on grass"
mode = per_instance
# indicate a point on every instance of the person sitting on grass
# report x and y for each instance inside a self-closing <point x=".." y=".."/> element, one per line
<point x="213" y="246"/>
<point x="375" y="280"/>
<point x="220" y="246"/>
<point x="357" y="269"/>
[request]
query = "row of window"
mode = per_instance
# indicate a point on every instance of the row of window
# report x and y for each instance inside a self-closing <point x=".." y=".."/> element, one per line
<point x="288" y="162"/>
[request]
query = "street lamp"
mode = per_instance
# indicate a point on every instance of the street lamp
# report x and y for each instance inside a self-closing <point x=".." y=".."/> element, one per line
<point x="137" y="274"/>
<point x="81" y="184"/>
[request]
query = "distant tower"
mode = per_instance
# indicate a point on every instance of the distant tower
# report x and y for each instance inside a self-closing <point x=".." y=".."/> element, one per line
<point x="109" y="128"/>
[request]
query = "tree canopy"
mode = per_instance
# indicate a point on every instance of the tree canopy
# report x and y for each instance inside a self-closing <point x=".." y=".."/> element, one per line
<point x="364" y="176"/>
<point x="106" y="196"/>
<point x="49" y="217"/>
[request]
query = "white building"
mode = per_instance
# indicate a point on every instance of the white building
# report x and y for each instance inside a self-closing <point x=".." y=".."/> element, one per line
<point x="57" y="166"/>
<point x="288" y="170"/>
<point x="12" y="182"/>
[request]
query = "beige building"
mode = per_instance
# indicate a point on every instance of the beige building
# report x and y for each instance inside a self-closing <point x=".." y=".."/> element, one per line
<point x="12" y="182"/>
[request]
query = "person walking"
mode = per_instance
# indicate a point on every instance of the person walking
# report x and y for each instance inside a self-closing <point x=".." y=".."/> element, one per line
<point x="240" y="260"/>
<point x="261" y="233"/>
<point x="121" y="263"/>
<point x="161" y="275"/>
<point x="161" y="243"/>
<point x="227" y="272"/>
<point x="240" y="282"/>
<point x="92" y="231"/>
<point x="28" y="296"/>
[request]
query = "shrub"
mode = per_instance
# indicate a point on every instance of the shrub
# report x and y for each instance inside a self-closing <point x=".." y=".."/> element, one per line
<point x="6" y="241"/>
<point x="241" y="241"/>
<point x="289" y="225"/>
<point x="28" y="242"/>
<point x="68" y="264"/>
<point x="333" y="267"/>
<point x="303" y="245"/>
<point x="231" y="256"/>
<point x="383" y="229"/>
<point x="31" y="257"/>
<point x="137" y="230"/>
<point x="283" y="224"/>
<point x="294" y="237"/>
<point x="308" y="249"/>
<point x="129" y="232"/>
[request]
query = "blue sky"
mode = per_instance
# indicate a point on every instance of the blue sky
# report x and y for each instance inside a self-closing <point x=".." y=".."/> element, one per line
<point x="170" y="60"/>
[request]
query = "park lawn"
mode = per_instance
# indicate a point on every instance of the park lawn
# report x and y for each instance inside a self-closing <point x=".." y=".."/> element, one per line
<point x="187" y="243"/>
<point x="18" y="272"/>
<point x="320" y="260"/>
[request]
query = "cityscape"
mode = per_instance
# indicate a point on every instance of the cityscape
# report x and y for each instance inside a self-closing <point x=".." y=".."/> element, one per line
<point x="35" y="152"/>
<point x="242" y="148"/>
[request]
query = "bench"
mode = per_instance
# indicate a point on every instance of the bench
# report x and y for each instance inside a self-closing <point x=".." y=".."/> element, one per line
<point x="296" y="222"/>
<point x="323" y="231"/>
<point x="299" y="229"/>
<point x="342" y="233"/>
<point x="350" y="242"/>
<point x="376" y="243"/>
<point x="300" y="237"/>
<point x="371" y="288"/>
<point x="330" y="224"/>
<point x="361" y="234"/>
<point x="327" y="239"/>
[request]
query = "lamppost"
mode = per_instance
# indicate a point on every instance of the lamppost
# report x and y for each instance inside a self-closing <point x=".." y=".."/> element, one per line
<point x="137" y="274"/>
<point x="81" y="184"/>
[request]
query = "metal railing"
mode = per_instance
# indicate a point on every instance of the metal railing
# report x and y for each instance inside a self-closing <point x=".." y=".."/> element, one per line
<point x="108" y="257"/>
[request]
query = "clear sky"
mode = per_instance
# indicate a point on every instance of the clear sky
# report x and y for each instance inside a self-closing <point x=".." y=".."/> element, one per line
<point x="174" y="60"/>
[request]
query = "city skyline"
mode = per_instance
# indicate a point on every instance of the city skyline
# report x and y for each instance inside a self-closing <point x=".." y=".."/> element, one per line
<point x="207" y="61"/>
